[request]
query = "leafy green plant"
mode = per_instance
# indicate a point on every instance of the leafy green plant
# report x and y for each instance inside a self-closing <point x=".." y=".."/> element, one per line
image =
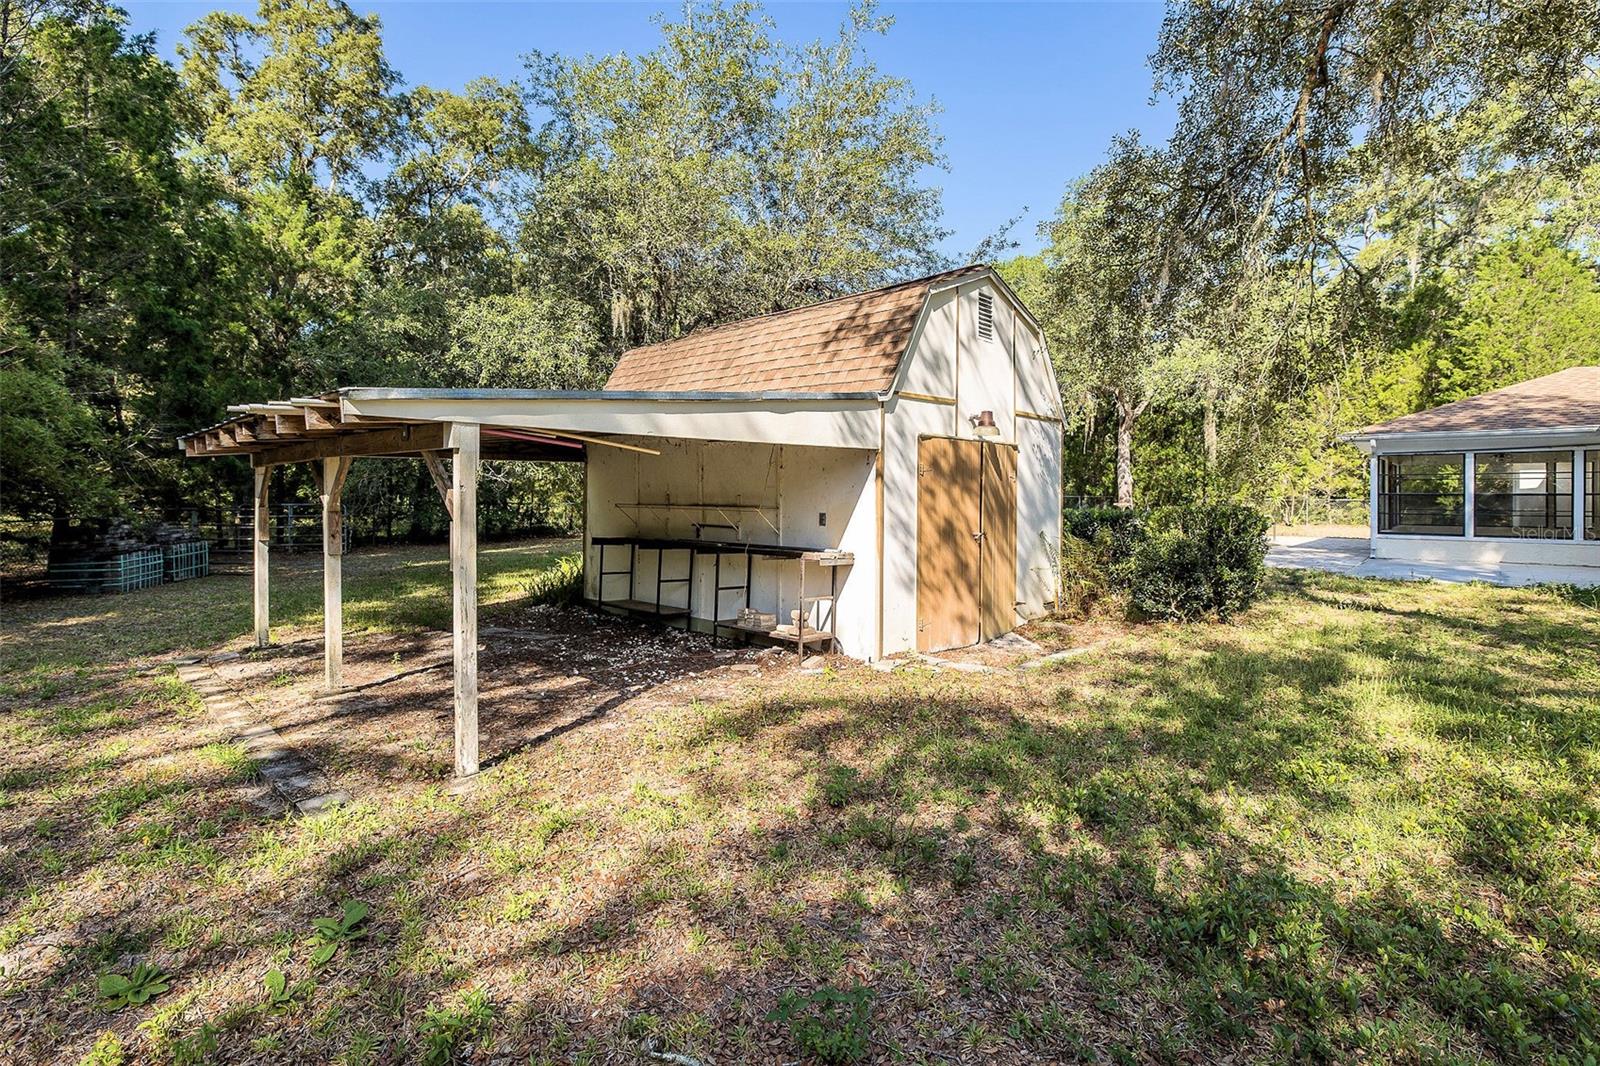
<point x="143" y="984"/>
<point x="283" y="996"/>
<point x="444" y="1031"/>
<point x="832" y="1024"/>
<point x="107" y="1051"/>
<point x="560" y="583"/>
<point x="334" y="932"/>
<point x="839" y="785"/>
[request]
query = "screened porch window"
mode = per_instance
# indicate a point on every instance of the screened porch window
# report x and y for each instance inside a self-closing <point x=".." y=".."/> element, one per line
<point x="1422" y="494"/>
<point x="1524" y="494"/>
<point x="1591" y="493"/>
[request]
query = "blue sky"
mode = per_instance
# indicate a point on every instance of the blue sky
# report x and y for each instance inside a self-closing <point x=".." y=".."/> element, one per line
<point x="1032" y="92"/>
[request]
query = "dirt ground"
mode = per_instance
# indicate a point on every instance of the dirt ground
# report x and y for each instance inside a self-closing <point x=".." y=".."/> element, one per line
<point x="542" y="671"/>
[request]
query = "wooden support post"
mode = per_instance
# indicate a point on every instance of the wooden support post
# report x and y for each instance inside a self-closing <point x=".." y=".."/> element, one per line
<point x="464" y="582"/>
<point x="331" y="487"/>
<point x="262" y="537"/>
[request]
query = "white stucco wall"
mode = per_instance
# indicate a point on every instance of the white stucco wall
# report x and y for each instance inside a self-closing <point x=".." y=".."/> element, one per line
<point x="1422" y="549"/>
<point x="1038" y="515"/>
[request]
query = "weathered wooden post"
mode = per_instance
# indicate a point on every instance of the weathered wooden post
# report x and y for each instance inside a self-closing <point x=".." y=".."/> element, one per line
<point x="464" y="440"/>
<point x="261" y="536"/>
<point x="331" y="486"/>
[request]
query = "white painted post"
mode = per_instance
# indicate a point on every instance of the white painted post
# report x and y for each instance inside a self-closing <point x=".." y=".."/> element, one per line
<point x="1372" y="504"/>
<point x="1578" y="483"/>
<point x="464" y="587"/>
<point x="262" y="538"/>
<point x="1469" y="474"/>
<point x="333" y="474"/>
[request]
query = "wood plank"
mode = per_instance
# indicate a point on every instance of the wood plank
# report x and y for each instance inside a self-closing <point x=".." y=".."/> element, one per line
<point x="331" y="486"/>
<point x="441" y="479"/>
<point x="948" y="480"/>
<point x="464" y="589"/>
<point x="999" y="541"/>
<point x="397" y="440"/>
<point x="322" y="418"/>
<point x="261" y="540"/>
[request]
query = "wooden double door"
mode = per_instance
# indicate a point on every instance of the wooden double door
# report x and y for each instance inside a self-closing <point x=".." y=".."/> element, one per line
<point x="966" y="541"/>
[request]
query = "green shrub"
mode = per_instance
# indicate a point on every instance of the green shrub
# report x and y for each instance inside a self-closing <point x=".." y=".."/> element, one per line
<point x="561" y="583"/>
<point x="1096" y="546"/>
<point x="1115" y="528"/>
<point x="1198" y="561"/>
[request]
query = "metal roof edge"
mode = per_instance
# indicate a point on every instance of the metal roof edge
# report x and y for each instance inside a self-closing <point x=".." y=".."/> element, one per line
<point x="1362" y="434"/>
<point x="358" y="394"/>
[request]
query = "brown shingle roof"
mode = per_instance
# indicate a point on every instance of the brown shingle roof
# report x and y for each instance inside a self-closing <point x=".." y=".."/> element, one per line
<point x="1566" y="398"/>
<point x="849" y="344"/>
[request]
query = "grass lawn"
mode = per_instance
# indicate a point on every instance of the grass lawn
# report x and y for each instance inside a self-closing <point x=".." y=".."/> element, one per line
<point x="1362" y="822"/>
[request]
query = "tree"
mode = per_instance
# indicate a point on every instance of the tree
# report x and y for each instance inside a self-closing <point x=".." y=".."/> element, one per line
<point x="108" y="265"/>
<point x="722" y="175"/>
<point x="1117" y="263"/>
<point x="1287" y="105"/>
<point x="1531" y="308"/>
<point x="299" y="95"/>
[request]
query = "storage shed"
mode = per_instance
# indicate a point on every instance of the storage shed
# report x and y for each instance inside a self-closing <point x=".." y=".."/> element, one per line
<point x="878" y="473"/>
<point x="1509" y="476"/>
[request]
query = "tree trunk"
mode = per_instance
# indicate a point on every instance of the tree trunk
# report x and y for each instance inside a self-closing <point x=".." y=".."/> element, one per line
<point x="1126" y="414"/>
<point x="1208" y="430"/>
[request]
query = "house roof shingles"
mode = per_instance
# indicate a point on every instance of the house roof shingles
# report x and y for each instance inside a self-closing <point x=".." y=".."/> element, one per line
<point x="848" y="344"/>
<point x="1567" y="398"/>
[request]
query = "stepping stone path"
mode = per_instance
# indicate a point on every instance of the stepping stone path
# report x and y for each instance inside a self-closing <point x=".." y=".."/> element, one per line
<point x="289" y="778"/>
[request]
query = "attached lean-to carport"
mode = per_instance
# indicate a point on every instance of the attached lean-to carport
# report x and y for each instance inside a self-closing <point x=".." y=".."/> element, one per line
<point x="452" y="431"/>
<point x="320" y="431"/>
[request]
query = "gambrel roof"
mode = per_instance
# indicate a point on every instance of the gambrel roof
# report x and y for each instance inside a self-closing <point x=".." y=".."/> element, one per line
<point x="848" y="344"/>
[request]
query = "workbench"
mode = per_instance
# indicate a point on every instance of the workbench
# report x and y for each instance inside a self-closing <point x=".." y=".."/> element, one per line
<point x="826" y="558"/>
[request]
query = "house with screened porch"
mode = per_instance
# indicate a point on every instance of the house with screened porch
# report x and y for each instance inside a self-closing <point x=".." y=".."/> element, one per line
<point x="1509" y="476"/>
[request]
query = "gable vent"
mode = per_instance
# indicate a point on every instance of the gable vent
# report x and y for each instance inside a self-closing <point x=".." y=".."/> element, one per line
<point x="986" y="315"/>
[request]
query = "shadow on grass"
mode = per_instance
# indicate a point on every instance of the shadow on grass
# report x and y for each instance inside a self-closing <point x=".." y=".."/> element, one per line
<point x="1135" y="859"/>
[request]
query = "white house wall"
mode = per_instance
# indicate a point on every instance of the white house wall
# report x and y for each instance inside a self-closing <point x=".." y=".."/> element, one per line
<point x="1037" y="391"/>
<point x="905" y="422"/>
<point x="1038" y="515"/>
<point x="792" y="485"/>
<point x="985" y="375"/>
<point x="1487" y="550"/>
<point x="928" y="374"/>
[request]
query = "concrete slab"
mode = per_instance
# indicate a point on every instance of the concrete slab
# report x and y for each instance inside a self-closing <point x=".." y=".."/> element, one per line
<point x="1348" y="555"/>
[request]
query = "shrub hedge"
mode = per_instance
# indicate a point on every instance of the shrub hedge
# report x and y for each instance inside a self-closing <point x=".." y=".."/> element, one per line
<point x="1181" y="562"/>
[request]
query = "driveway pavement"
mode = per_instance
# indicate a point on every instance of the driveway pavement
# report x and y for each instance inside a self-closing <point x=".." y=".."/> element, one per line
<point x="1348" y="555"/>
